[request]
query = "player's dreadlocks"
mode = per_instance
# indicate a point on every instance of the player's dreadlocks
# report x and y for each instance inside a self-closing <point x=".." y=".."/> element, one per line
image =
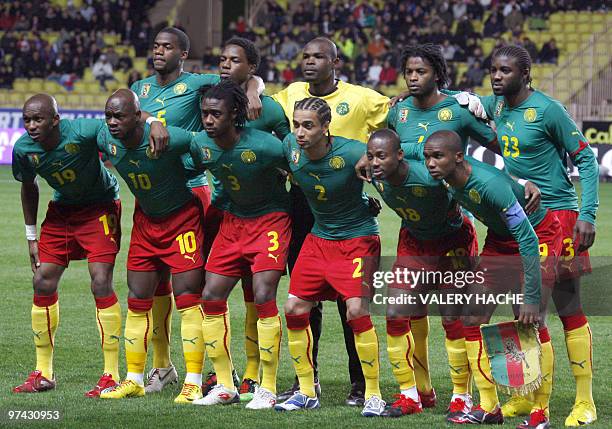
<point x="233" y="95"/>
<point x="433" y="54"/>
<point x="183" y="39"/>
<point x="250" y="50"/>
<point x="317" y="105"/>
<point x="523" y="60"/>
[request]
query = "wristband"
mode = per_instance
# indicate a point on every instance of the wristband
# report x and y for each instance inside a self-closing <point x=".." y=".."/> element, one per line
<point x="31" y="234"/>
<point x="152" y="119"/>
<point x="522" y="182"/>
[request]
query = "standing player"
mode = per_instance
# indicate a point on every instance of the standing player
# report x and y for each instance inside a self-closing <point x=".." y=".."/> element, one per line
<point x="253" y="238"/>
<point x="498" y="202"/>
<point x="339" y="255"/>
<point x="172" y="96"/>
<point x="537" y="134"/>
<point x="433" y="231"/>
<point x="167" y="234"/>
<point x="82" y="221"/>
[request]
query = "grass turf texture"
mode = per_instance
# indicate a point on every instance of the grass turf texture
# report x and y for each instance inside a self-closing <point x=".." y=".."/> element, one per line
<point x="78" y="359"/>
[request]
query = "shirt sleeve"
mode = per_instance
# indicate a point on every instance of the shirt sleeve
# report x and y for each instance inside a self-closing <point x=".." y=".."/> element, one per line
<point x="88" y="129"/>
<point x="207" y="79"/>
<point x="23" y="171"/>
<point x="276" y="152"/>
<point x="413" y="151"/>
<point x="392" y="118"/>
<point x="180" y="140"/>
<point x="477" y="129"/>
<point x="282" y="98"/>
<point x="563" y="130"/>
<point x="278" y="121"/>
<point x="377" y="109"/>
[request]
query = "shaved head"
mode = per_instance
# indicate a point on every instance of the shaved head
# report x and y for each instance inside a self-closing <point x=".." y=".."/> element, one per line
<point x="445" y="140"/>
<point x="444" y="155"/>
<point x="122" y="113"/>
<point x="324" y="44"/>
<point x="126" y="98"/>
<point x="44" y="103"/>
<point x="386" y="157"/>
<point x="41" y="120"/>
<point x="386" y="137"/>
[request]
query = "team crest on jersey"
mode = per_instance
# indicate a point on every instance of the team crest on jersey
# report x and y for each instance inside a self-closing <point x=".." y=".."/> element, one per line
<point x="403" y="115"/>
<point x="248" y="157"/>
<point x="34" y="159"/>
<point x="295" y="156"/>
<point x="445" y="115"/>
<point x="179" y="88"/>
<point x="419" y="191"/>
<point x="342" y="108"/>
<point x="380" y="186"/>
<point x="72" y="148"/>
<point x="150" y="154"/>
<point x="474" y="196"/>
<point x="530" y="115"/>
<point x="498" y="108"/>
<point x="206" y="154"/>
<point x="337" y="162"/>
<point x="144" y="92"/>
<point x="113" y="150"/>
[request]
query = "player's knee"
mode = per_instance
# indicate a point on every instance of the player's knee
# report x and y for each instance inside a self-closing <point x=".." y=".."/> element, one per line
<point x="294" y="307"/>
<point x="210" y="294"/>
<point x="395" y="312"/>
<point x="102" y="284"/>
<point x="355" y="311"/>
<point x="474" y="320"/>
<point x="447" y="320"/>
<point x="44" y="284"/>
<point x="265" y="295"/>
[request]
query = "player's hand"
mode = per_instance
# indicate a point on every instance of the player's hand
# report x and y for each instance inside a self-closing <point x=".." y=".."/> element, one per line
<point x="400" y="97"/>
<point x="254" y="107"/>
<point x="533" y="197"/>
<point x="473" y="104"/>
<point x="584" y="234"/>
<point x="374" y="206"/>
<point x="34" y="259"/>
<point x="363" y="169"/>
<point x="529" y="313"/>
<point x="158" y="138"/>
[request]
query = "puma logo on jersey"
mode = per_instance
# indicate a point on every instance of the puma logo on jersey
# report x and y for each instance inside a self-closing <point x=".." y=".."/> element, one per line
<point x="580" y="364"/>
<point x="510" y="125"/>
<point x="192" y="340"/>
<point x="316" y="176"/>
<point x="161" y="100"/>
<point x="423" y="125"/>
<point x="229" y="167"/>
<point x="253" y="340"/>
<point x="190" y="257"/>
<point x="57" y="164"/>
<point x="576" y="133"/>
<point x="270" y="255"/>
<point x="212" y="344"/>
<point x="455" y="370"/>
<point x="369" y="363"/>
<point x="267" y="350"/>
<point x="402" y="199"/>
<point x="136" y="163"/>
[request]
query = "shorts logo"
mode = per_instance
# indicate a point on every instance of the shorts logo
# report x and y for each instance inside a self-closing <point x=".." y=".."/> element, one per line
<point x="419" y="191"/>
<point x="337" y="162"/>
<point x="342" y="108"/>
<point x="179" y="88"/>
<point x="72" y="148"/>
<point x="474" y="196"/>
<point x="34" y="159"/>
<point x="530" y="115"/>
<point x="248" y="157"/>
<point x="403" y="115"/>
<point x="206" y="154"/>
<point x="445" y="115"/>
<point x="498" y="108"/>
<point x="150" y="154"/>
<point x="295" y="156"/>
<point x="144" y="92"/>
<point x="113" y="150"/>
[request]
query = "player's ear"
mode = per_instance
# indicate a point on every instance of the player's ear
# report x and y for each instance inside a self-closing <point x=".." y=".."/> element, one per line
<point x="184" y="55"/>
<point x="459" y="157"/>
<point x="325" y="127"/>
<point x="400" y="154"/>
<point x="55" y="121"/>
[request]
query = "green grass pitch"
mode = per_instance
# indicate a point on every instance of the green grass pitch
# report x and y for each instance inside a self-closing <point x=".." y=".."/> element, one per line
<point x="78" y="360"/>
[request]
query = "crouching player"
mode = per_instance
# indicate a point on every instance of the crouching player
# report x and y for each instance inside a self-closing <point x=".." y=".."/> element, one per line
<point x="433" y="231"/>
<point x="498" y="201"/>
<point x="166" y="234"/>
<point x="338" y="257"/>
<point x="253" y="238"/>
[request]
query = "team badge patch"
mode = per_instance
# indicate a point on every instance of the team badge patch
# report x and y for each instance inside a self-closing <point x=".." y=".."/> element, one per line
<point x="403" y="115"/>
<point x="474" y="196"/>
<point x="248" y="157"/>
<point x="445" y="115"/>
<point x="530" y="115"/>
<point x="295" y="156"/>
<point x="34" y="159"/>
<point x="380" y="186"/>
<point x="113" y="149"/>
<point x="72" y="148"/>
<point x="206" y="154"/>
<point x="144" y="92"/>
<point x="150" y="154"/>
<point x="419" y="191"/>
<point x="179" y="88"/>
<point x="498" y="108"/>
<point x="337" y="162"/>
<point x="342" y="108"/>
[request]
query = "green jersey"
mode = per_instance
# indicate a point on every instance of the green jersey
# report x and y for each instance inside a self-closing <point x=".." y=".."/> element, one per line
<point x="497" y="201"/>
<point x="248" y="172"/>
<point x="535" y="138"/>
<point x="426" y="208"/>
<point x="73" y="168"/>
<point x="177" y="104"/>
<point x="333" y="191"/>
<point x="159" y="184"/>
<point x="415" y="125"/>
<point x="272" y="119"/>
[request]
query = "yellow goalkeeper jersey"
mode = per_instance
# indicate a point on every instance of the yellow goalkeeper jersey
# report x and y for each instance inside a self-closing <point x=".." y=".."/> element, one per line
<point x="356" y="110"/>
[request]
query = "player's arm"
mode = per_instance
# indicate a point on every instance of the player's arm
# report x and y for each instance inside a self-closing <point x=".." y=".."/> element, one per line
<point x="562" y="129"/>
<point x="279" y="122"/>
<point x="480" y="131"/>
<point x="481" y="107"/>
<point x="197" y="150"/>
<point x="254" y="88"/>
<point x="158" y="136"/>
<point x="376" y="108"/>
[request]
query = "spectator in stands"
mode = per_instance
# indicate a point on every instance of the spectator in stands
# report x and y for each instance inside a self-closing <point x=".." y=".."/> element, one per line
<point x="301" y="16"/>
<point x="125" y="62"/>
<point x="549" y="52"/>
<point x="112" y="56"/>
<point x="37" y="67"/>
<point x="361" y="73"/>
<point x="388" y="74"/>
<point x="476" y="55"/>
<point x="210" y="61"/>
<point x="448" y="50"/>
<point x="475" y="74"/>
<point x="289" y="49"/>
<point x="288" y="75"/>
<point x="61" y="71"/>
<point x="459" y="9"/>
<point x="530" y="47"/>
<point x="377" y="47"/>
<point x="102" y="70"/>
<point x="306" y="34"/>
<point x="6" y="76"/>
<point x="493" y="25"/>
<point x="374" y="73"/>
<point x="514" y="20"/>
<point x="133" y="77"/>
<point x="464" y="84"/>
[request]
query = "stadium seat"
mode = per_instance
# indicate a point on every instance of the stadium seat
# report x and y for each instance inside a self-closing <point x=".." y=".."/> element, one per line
<point x="20" y="85"/>
<point x="52" y="87"/>
<point x="61" y="99"/>
<point x="35" y="85"/>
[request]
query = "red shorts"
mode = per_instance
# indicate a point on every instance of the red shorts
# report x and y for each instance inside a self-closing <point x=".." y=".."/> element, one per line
<point x="202" y="194"/>
<point x="71" y="233"/>
<point x="326" y="269"/>
<point x="250" y="245"/>
<point x="569" y="265"/>
<point x="173" y="241"/>
<point x="212" y="222"/>
<point x="501" y="269"/>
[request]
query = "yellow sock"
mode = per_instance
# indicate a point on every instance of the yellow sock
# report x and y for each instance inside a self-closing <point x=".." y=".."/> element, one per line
<point x="459" y="365"/>
<point x="401" y="349"/>
<point x="192" y="338"/>
<point x="420" y="333"/>
<point x="481" y="368"/>
<point x="270" y="330"/>
<point x="109" y="327"/>
<point x="300" y="349"/>
<point x="217" y="339"/>
<point x="251" y="345"/>
<point x="137" y="337"/>
<point x="45" y="319"/>
<point x="580" y="354"/>
<point x="162" y="326"/>
<point x="542" y="395"/>
<point x="366" y="343"/>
